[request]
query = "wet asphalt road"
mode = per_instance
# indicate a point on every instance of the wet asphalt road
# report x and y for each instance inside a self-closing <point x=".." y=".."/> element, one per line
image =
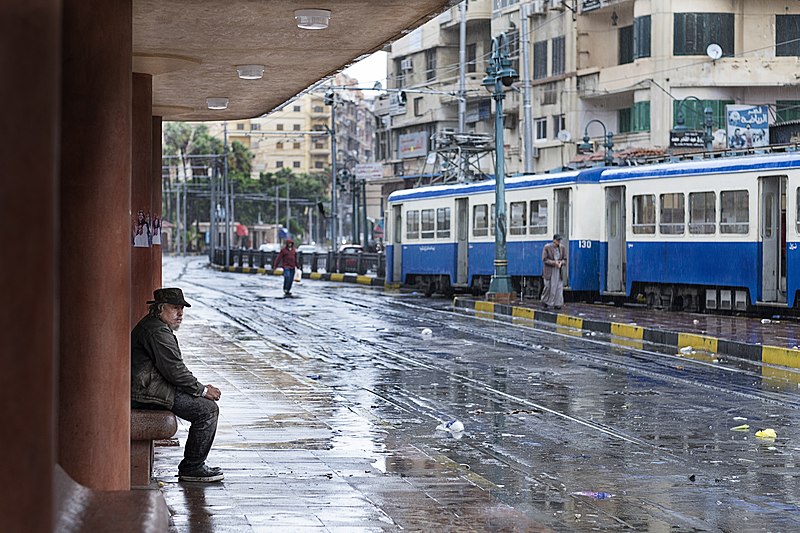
<point x="573" y="433"/>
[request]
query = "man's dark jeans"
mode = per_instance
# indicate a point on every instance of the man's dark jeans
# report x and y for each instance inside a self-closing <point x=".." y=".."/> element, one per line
<point x="203" y="414"/>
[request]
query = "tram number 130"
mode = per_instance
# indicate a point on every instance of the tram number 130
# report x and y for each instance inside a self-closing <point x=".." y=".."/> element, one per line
<point x="584" y="244"/>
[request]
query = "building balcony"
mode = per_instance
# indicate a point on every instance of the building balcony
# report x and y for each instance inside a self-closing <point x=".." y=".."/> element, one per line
<point x="588" y="6"/>
<point x="478" y="11"/>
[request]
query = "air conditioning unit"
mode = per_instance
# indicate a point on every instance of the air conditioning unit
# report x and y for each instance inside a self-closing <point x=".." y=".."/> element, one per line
<point x="406" y="64"/>
<point x="537" y="7"/>
<point x="556" y="5"/>
<point x="535" y="152"/>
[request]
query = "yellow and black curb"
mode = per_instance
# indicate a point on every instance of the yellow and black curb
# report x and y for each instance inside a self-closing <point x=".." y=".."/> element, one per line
<point x="633" y="335"/>
<point x="346" y="278"/>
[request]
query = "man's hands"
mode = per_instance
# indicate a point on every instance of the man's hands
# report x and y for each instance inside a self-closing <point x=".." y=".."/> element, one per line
<point x="213" y="393"/>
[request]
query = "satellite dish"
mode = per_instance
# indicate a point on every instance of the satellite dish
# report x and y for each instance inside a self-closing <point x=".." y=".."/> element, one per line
<point x="714" y="51"/>
<point x="564" y="136"/>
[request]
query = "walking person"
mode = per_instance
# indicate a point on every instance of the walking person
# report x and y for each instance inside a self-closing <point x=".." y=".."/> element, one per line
<point x="160" y="380"/>
<point x="287" y="258"/>
<point x="554" y="257"/>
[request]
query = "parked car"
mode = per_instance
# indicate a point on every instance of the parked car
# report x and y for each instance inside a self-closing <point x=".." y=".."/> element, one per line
<point x="307" y="248"/>
<point x="269" y="247"/>
<point x="350" y="252"/>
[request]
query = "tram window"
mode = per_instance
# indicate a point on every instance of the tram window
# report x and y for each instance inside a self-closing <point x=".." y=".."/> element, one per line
<point x="493" y="219"/>
<point x="412" y="225"/>
<point x="518" y="218"/>
<point x="538" y="217"/>
<point x="734" y="212"/>
<point x="673" y="215"/>
<point x="480" y="220"/>
<point x="443" y="223"/>
<point x="428" y="224"/>
<point x="702" y="213"/>
<point x="644" y="214"/>
<point x="797" y="218"/>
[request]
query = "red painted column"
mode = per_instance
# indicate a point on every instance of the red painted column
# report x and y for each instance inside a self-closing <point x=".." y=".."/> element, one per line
<point x="30" y="48"/>
<point x="141" y="191"/>
<point x="156" y="201"/>
<point x="95" y="247"/>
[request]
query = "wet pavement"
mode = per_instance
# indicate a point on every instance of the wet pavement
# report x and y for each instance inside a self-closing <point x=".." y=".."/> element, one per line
<point x="331" y="403"/>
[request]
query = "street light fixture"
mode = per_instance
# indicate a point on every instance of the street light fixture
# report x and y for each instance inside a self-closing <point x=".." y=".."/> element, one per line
<point x="608" y="143"/>
<point x="708" y="117"/>
<point x="499" y="74"/>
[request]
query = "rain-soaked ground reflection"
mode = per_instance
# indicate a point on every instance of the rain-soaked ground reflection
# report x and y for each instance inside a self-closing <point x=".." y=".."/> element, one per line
<point x="335" y="396"/>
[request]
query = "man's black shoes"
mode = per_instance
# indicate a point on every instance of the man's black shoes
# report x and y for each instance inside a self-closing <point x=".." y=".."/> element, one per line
<point x="202" y="474"/>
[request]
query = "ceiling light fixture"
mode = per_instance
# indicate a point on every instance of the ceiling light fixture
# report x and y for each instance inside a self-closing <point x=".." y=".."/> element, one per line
<point x="217" y="103"/>
<point x="250" y="72"/>
<point x="312" y="19"/>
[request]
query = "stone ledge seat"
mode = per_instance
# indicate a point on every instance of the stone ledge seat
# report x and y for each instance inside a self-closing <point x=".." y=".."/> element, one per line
<point x="148" y="425"/>
<point x="80" y="509"/>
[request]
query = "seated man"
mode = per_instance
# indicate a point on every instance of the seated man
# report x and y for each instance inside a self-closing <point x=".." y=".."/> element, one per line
<point x="160" y="380"/>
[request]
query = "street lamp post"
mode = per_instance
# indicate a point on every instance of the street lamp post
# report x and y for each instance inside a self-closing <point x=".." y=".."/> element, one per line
<point x="608" y="142"/>
<point x="499" y="74"/>
<point x="680" y="125"/>
<point x="330" y="99"/>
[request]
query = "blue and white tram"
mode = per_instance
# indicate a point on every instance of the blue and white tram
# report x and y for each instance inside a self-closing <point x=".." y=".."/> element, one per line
<point x="703" y="235"/>
<point x="442" y="237"/>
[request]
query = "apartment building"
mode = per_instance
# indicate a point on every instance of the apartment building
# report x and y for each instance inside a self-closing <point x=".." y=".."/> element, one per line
<point x="630" y="68"/>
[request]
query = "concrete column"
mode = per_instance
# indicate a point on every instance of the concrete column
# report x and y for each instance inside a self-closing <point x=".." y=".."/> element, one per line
<point x="95" y="247"/>
<point x="141" y="191"/>
<point x="156" y="196"/>
<point x="30" y="47"/>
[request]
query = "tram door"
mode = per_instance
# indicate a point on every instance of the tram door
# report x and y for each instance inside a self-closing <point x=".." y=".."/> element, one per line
<point x="562" y="224"/>
<point x="462" y="240"/>
<point x="615" y="236"/>
<point x="397" y="244"/>
<point x="773" y="239"/>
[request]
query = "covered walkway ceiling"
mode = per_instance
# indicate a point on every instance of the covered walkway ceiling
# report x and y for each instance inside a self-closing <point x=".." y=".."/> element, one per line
<point x="192" y="48"/>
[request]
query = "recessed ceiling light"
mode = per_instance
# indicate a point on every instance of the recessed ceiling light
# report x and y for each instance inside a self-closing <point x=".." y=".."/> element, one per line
<point x="312" y="19"/>
<point x="217" y="103"/>
<point x="250" y="72"/>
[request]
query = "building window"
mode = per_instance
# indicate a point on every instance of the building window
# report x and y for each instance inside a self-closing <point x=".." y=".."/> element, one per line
<point x="480" y="220"/>
<point x="641" y="37"/>
<point x="540" y="129"/>
<point x="430" y="64"/>
<point x="412" y="225"/>
<point x="702" y="213"/>
<point x="640" y="113"/>
<point x="644" y="214"/>
<point x="693" y="32"/>
<point x="500" y="4"/>
<point x="693" y="112"/>
<point x="296" y="146"/>
<point x="428" y="224"/>
<point x="240" y="126"/>
<point x="787" y="35"/>
<point x="559" y="123"/>
<point x="418" y="107"/>
<point x="278" y="164"/>
<point x="625" y="53"/>
<point x="295" y="164"/>
<point x="786" y="110"/>
<point x="279" y="127"/>
<point x="295" y="127"/>
<point x="549" y="94"/>
<point x="443" y="223"/>
<point x="539" y="60"/>
<point x="319" y="164"/>
<point x="296" y="109"/>
<point x="472" y="57"/>
<point x="734" y="212"/>
<point x="625" y="120"/>
<point x="538" y="217"/>
<point x="319" y="146"/>
<point x="518" y="218"/>
<point x="279" y="146"/>
<point x="559" y="56"/>
<point x="673" y="214"/>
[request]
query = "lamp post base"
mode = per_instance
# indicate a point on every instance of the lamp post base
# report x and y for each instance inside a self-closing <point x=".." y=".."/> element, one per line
<point x="500" y="287"/>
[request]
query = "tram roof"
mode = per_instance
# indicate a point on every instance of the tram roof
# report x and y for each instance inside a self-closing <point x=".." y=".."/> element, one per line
<point x="714" y="166"/>
<point x="511" y="183"/>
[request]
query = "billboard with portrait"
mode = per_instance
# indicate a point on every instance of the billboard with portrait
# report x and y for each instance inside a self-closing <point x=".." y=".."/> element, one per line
<point x="748" y="126"/>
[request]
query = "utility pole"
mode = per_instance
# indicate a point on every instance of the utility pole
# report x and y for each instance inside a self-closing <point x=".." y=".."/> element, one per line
<point x="277" y="211"/>
<point x="330" y="99"/>
<point x="227" y="197"/>
<point x="527" y="108"/>
<point x="462" y="68"/>
<point x="364" y="228"/>
<point x="288" y="211"/>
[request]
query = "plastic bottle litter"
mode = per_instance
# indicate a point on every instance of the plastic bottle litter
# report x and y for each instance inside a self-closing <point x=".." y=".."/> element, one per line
<point x="313" y="376"/>
<point x="593" y="494"/>
<point x="766" y="434"/>
<point x="743" y="427"/>
<point x="686" y="350"/>
<point x="695" y="321"/>
<point x="427" y="332"/>
<point x="453" y="426"/>
<point x="766" y="321"/>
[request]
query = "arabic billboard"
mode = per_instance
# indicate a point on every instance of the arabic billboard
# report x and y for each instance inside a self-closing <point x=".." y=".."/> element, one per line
<point x="748" y="126"/>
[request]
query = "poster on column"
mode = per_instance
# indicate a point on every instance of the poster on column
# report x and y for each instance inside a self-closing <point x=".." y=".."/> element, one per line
<point x="141" y="229"/>
<point x="748" y="126"/>
<point x="155" y="239"/>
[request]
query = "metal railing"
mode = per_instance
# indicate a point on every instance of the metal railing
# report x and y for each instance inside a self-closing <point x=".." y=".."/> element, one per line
<point x="324" y="262"/>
